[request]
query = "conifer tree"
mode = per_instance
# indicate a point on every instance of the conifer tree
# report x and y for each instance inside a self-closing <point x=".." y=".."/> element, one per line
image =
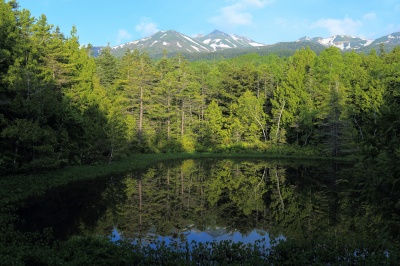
<point x="106" y="67"/>
<point x="331" y="98"/>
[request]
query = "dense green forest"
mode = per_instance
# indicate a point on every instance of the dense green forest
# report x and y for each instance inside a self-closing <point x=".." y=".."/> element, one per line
<point x="60" y="106"/>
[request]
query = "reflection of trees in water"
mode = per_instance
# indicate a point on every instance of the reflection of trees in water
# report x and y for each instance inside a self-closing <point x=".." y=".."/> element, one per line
<point x="370" y="204"/>
<point x="300" y="201"/>
<point x="170" y="198"/>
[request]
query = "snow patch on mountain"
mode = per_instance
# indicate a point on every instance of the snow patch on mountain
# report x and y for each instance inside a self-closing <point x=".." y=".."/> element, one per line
<point x="343" y="42"/>
<point x="233" y="36"/>
<point x="188" y="38"/>
<point x="327" y="41"/>
<point x="234" y="45"/>
<point x="256" y="44"/>
<point x="215" y="46"/>
<point x="368" y="42"/>
<point x="194" y="47"/>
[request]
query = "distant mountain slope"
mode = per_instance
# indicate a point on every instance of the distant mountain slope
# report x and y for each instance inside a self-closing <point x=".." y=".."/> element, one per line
<point x="389" y="41"/>
<point x="345" y="42"/>
<point x="280" y="49"/>
<point x="172" y="41"/>
<point x="219" y="40"/>
<point x="220" y="44"/>
<point x="393" y="38"/>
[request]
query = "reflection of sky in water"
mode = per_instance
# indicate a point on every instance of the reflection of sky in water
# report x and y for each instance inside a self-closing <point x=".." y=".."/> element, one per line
<point x="209" y="235"/>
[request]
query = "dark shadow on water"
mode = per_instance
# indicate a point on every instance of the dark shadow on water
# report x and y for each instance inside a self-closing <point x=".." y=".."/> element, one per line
<point x="68" y="210"/>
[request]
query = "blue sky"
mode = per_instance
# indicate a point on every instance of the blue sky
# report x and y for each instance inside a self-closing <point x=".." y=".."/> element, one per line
<point x="267" y="21"/>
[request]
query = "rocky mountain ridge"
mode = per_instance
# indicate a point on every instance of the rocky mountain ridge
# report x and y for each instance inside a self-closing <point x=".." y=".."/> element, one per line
<point x="346" y="42"/>
<point x="173" y="42"/>
<point x="176" y="42"/>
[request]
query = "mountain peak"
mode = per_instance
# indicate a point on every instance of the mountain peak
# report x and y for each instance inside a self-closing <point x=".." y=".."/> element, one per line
<point x="216" y="32"/>
<point x="343" y="42"/>
<point x="175" y="42"/>
<point x="219" y="40"/>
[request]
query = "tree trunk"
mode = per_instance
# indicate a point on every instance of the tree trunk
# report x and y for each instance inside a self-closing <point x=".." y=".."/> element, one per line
<point x="278" y="188"/>
<point x="168" y="118"/>
<point x="141" y="114"/>
<point x="140" y="207"/>
<point x="183" y="121"/>
<point x="279" y="121"/>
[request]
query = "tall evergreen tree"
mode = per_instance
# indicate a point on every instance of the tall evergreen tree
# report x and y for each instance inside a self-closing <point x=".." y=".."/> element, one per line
<point x="334" y="126"/>
<point x="106" y="67"/>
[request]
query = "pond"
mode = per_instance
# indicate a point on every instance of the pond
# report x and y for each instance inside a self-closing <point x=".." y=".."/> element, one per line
<point x="212" y="200"/>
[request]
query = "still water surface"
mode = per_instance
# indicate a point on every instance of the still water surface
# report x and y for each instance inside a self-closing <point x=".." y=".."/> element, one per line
<point x="209" y="200"/>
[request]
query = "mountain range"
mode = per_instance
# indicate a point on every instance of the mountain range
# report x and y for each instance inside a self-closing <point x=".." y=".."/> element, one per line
<point x="345" y="42"/>
<point x="218" y="43"/>
<point x="175" y="42"/>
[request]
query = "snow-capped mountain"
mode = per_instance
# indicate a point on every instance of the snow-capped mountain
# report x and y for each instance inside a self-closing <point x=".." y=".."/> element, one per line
<point x="388" y="40"/>
<point x="219" y="40"/>
<point x="171" y="41"/>
<point x="229" y="45"/>
<point x="345" y="42"/>
<point x="175" y="42"/>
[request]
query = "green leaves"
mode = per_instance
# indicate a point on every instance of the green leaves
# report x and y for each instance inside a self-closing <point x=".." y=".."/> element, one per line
<point x="103" y="108"/>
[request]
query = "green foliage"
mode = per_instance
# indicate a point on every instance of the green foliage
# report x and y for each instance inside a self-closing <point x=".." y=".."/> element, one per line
<point x="100" y="251"/>
<point x="334" y="251"/>
<point x="54" y="110"/>
<point x="61" y="106"/>
<point x="215" y="134"/>
<point x="106" y="67"/>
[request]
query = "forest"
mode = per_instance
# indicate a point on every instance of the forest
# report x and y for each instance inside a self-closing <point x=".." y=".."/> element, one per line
<point x="60" y="105"/>
<point x="99" y="134"/>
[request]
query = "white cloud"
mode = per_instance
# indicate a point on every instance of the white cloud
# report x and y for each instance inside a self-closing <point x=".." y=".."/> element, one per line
<point x="146" y="27"/>
<point x="238" y="13"/>
<point x="369" y="16"/>
<point x="232" y="15"/>
<point x="123" y="35"/>
<point x="346" y="26"/>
